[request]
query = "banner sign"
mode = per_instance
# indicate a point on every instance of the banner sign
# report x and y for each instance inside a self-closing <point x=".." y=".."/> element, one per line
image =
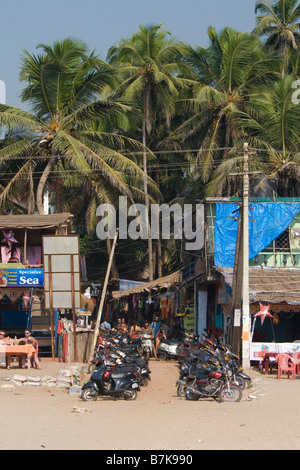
<point x="21" y="277"/>
<point x="257" y="350"/>
<point x="125" y="284"/>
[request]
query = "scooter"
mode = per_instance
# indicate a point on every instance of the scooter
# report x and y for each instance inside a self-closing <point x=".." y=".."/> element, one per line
<point x="168" y="349"/>
<point x="146" y="346"/>
<point x="117" y="383"/>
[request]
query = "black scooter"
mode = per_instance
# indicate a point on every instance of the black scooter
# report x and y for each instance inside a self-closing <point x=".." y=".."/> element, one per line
<point x="122" y="383"/>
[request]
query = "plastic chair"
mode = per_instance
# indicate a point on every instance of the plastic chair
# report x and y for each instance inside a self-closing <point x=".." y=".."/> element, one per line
<point x="36" y="346"/>
<point x="296" y="357"/>
<point x="286" y="364"/>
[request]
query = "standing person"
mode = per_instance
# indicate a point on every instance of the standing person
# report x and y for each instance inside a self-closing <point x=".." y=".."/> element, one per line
<point x="155" y="325"/>
<point x="165" y="327"/>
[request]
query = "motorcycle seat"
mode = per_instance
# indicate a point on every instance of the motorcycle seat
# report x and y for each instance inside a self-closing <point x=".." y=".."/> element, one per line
<point x="121" y="373"/>
<point x="169" y="342"/>
<point x="125" y="368"/>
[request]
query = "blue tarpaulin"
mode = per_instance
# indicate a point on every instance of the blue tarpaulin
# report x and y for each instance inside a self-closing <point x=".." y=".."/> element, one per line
<point x="267" y="220"/>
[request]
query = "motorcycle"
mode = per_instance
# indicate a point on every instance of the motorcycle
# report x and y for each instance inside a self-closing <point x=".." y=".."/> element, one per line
<point x="112" y="382"/>
<point x="142" y="365"/>
<point x="239" y="376"/>
<point x="167" y="349"/>
<point x="189" y="374"/>
<point x="217" y="384"/>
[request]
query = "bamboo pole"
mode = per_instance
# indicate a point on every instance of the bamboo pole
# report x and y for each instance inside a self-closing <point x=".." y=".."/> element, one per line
<point x="103" y="294"/>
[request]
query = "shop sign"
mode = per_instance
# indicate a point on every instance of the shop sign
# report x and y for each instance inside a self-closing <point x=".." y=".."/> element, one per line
<point x="21" y="277"/>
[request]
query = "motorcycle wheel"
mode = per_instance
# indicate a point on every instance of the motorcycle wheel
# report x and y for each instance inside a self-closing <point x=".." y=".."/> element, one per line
<point x="240" y="381"/>
<point x="233" y="394"/>
<point x="89" y="394"/>
<point x="130" y="394"/>
<point x="248" y="383"/>
<point x="191" y="396"/>
<point x="181" y="389"/>
<point x="91" y="368"/>
<point x="147" y="355"/>
<point x="144" y="381"/>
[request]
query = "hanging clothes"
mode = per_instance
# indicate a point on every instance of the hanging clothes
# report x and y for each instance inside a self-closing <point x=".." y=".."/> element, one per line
<point x="164" y="305"/>
<point x="149" y="309"/>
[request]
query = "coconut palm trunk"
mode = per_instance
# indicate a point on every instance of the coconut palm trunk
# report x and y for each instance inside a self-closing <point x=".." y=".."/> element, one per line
<point x="145" y="125"/>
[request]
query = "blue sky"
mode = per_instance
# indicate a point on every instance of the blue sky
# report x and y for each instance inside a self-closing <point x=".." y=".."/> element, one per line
<point x="99" y="23"/>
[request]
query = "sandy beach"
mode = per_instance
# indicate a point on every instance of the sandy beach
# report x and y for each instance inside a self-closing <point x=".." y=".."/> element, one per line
<point x="267" y="417"/>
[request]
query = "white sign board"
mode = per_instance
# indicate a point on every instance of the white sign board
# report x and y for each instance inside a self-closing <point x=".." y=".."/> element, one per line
<point x="61" y="271"/>
<point x="2" y="92"/>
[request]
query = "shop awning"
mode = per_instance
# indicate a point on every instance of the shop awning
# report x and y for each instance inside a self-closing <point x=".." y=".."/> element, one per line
<point x="267" y="284"/>
<point x="34" y="221"/>
<point x="164" y="282"/>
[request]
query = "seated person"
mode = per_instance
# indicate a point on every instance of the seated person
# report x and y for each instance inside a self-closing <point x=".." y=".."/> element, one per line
<point x="135" y="330"/>
<point x="105" y="325"/>
<point x="6" y="341"/>
<point x="160" y="335"/>
<point x="28" y="339"/>
<point x="34" y="358"/>
<point x="147" y="330"/>
<point x="123" y="327"/>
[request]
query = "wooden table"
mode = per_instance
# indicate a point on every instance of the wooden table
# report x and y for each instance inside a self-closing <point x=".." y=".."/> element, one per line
<point x="26" y="350"/>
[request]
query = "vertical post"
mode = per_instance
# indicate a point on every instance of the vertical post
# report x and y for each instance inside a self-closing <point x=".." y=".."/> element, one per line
<point x="51" y="306"/>
<point x="103" y="294"/>
<point x="236" y="290"/>
<point x="245" y="278"/>
<point x="25" y="247"/>
<point x="73" y="310"/>
<point x="150" y="250"/>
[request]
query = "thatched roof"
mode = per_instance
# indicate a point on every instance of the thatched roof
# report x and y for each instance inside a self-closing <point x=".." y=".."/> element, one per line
<point x="34" y="221"/>
<point x="163" y="282"/>
<point x="267" y="284"/>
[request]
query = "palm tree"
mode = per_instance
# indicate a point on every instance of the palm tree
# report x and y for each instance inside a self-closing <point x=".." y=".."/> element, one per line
<point x="149" y="63"/>
<point x="278" y="142"/>
<point x="229" y="73"/>
<point x="279" y="22"/>
<point x="65" y="130"/>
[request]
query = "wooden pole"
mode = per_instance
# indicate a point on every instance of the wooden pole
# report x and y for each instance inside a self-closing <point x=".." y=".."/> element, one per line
<point x="25" y="247"/>
<point x="103" y="294"/>
<point x="236" y="291"/>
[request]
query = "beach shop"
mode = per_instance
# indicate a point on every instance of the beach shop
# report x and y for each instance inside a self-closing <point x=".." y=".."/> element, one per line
<point x="22" y="274"/>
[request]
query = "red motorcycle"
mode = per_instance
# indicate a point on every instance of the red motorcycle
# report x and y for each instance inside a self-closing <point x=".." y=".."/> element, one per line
<point x="217" y="385"/>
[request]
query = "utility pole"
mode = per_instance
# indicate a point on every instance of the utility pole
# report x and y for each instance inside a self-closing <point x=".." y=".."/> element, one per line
<point x="245" y="278"/>
<point x="103" y="294"/>
<point x="237" y="289"/>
